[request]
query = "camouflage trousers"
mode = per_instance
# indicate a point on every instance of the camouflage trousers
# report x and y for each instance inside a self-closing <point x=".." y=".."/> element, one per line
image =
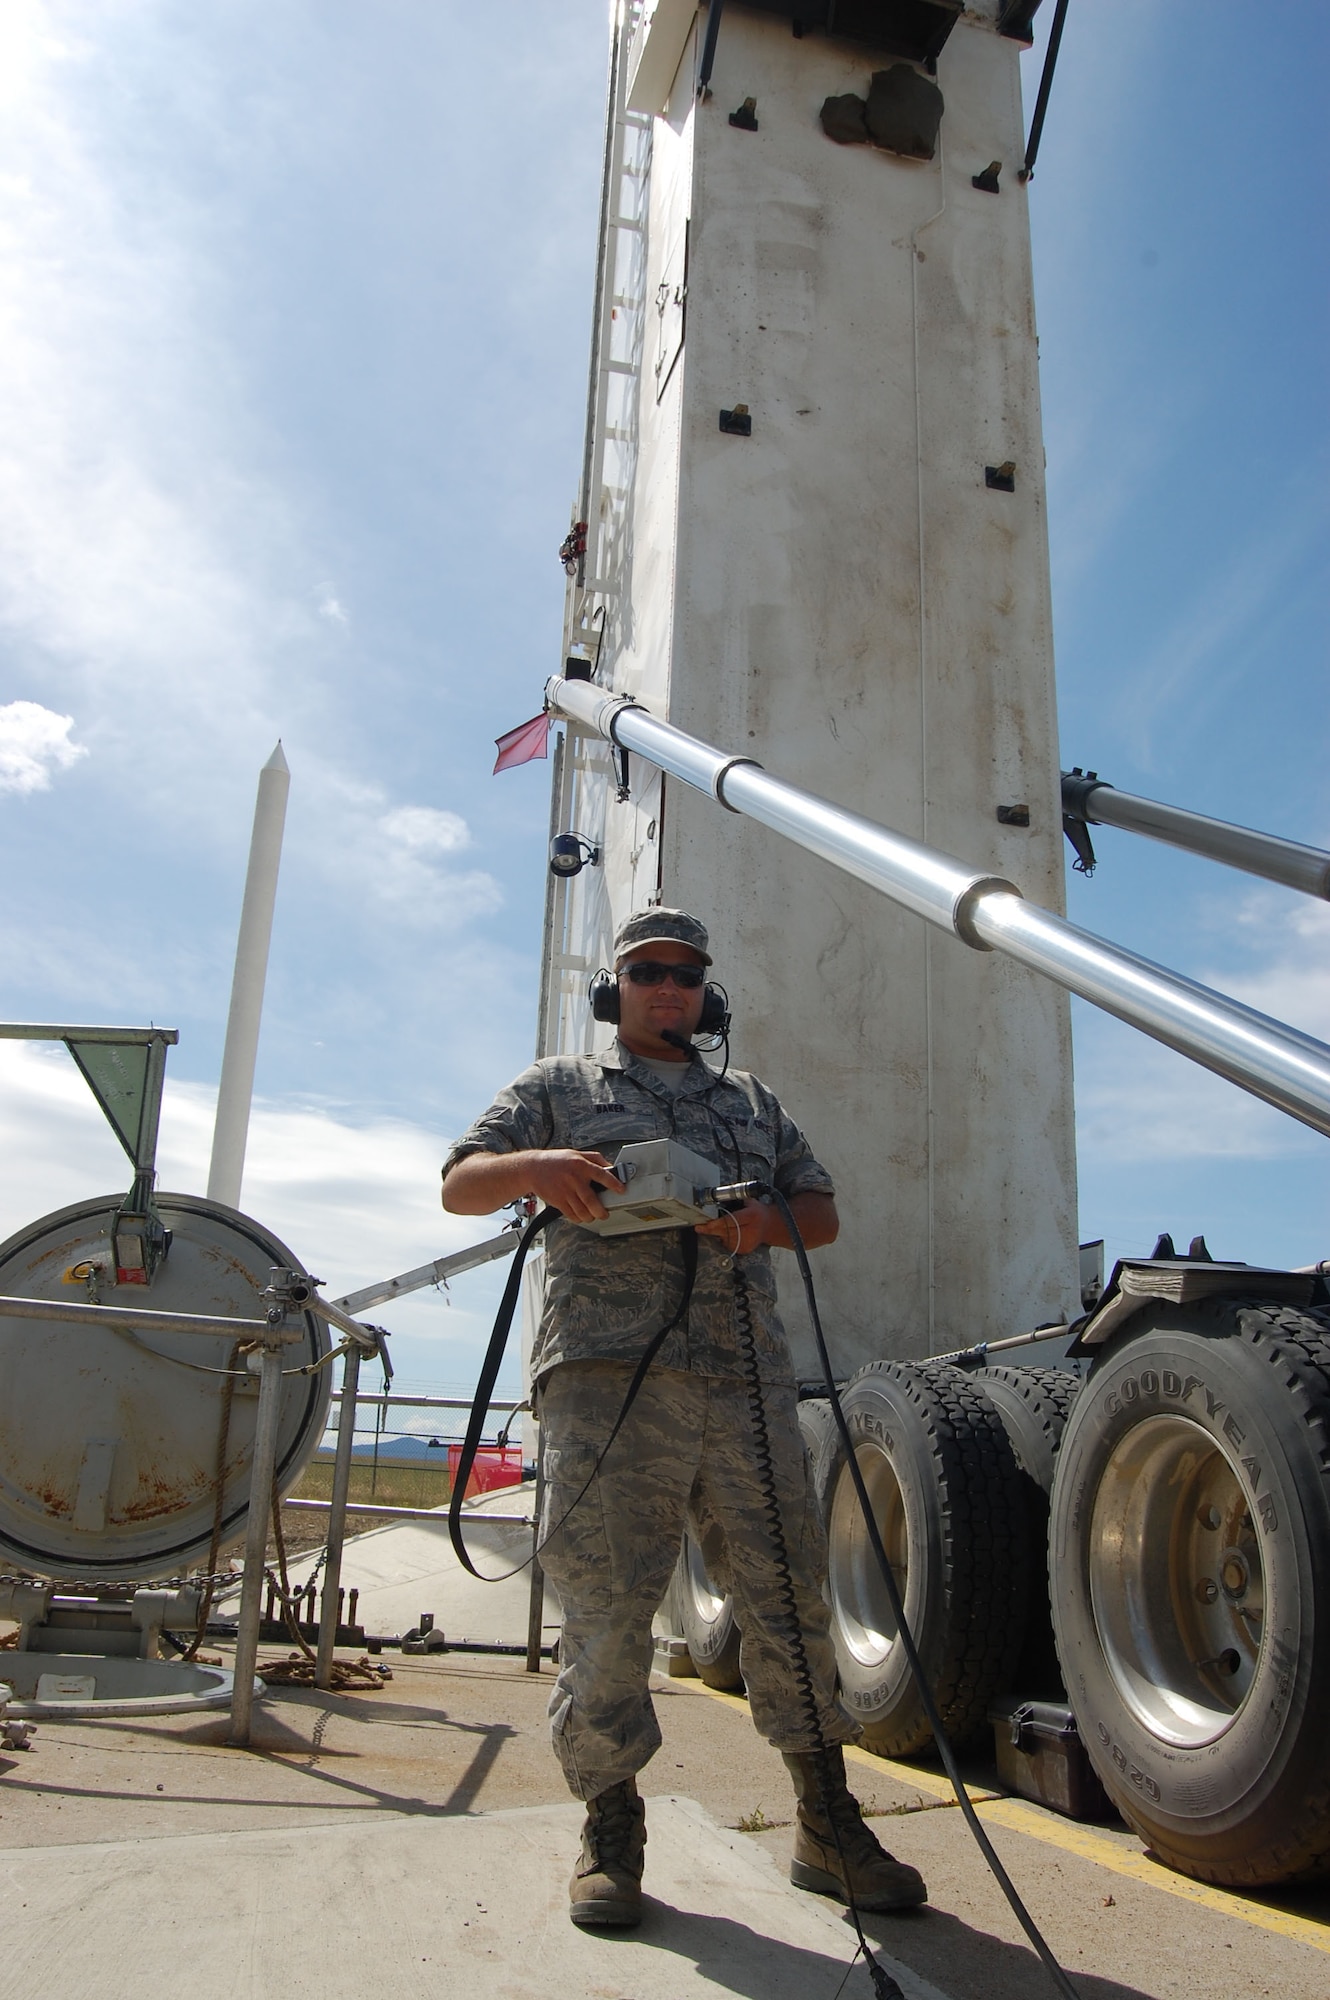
<point x="688" y="1438"/>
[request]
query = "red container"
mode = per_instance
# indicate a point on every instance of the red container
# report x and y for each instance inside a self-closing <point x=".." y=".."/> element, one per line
<point x="496" y="1465"/>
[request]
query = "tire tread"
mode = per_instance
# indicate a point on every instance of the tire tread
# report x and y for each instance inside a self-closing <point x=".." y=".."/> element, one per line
<point x="984" y="1551"/>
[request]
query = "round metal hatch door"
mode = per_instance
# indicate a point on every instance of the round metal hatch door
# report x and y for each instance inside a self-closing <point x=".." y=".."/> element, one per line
<point x="110" y="1442"/>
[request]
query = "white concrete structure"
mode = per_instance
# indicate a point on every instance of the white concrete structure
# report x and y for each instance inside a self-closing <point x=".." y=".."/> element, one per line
<point x="845" y="593"/>
<point x="236" y="1089"/>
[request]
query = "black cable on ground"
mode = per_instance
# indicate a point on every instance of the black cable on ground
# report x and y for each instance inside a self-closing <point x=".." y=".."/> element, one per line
<point x="945" y="1751"/>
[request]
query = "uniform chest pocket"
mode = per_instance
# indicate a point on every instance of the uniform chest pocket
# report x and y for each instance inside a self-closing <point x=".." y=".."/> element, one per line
<point x="755" y="1143"/>
<point x="604" y="1128"/>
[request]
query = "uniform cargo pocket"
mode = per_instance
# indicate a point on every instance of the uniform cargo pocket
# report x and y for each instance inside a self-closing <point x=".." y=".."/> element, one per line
<point x="574" y="1552"/>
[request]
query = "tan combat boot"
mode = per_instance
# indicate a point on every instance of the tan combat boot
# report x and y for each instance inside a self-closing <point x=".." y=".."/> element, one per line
<point x="878" y="1880"/>
<point x="607" y="1882"/>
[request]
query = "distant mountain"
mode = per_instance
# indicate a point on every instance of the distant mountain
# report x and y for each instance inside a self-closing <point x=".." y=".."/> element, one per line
<point x="398" y="1451"/>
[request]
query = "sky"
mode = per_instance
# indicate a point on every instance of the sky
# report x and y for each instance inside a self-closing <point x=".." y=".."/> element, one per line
<point x="293" y="348"/>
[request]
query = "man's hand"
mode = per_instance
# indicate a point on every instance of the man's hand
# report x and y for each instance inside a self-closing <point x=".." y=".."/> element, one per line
<point x="740" y="1230"/>
<point x="561" y="1177"/>
<point x="568" y="1180"/>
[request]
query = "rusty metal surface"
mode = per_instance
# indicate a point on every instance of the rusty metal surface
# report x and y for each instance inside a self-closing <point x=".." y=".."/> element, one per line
<point x="109" y="1439"/>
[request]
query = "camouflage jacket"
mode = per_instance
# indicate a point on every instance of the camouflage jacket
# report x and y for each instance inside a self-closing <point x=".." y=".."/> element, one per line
<point x="606" y="1296"/>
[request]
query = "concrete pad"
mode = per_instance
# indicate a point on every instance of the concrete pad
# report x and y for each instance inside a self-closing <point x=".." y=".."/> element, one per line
<point x="407" y="1567"/>
<point x="475" y="1904"/>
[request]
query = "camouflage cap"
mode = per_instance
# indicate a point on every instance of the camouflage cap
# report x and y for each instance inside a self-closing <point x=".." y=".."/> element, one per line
<point x="661" y="927"/>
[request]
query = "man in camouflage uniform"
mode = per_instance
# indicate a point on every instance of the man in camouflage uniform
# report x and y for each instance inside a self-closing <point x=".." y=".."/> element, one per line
<point x="554" y="1134"/>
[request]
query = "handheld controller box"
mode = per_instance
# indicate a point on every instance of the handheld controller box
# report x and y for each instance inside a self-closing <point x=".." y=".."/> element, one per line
<point x="665" y="1186"/>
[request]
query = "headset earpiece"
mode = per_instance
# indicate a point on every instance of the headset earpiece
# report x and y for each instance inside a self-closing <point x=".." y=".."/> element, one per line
<point x="604" y="996"/>
<point x="715" y="1012"/>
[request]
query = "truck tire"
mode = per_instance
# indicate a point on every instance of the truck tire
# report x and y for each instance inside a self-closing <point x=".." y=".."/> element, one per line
<point x="947" y="1497"/>
<point x="1033" y="1405"/>
<point x="706" y="1609"/>
<point x="818" y="1428"/>
<point x="1190" y="1567"/>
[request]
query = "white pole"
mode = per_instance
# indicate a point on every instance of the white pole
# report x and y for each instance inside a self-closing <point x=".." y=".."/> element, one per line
<point x="236" y="1088"/>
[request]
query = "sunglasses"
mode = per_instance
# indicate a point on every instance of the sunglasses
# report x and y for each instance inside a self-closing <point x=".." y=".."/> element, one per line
<point x="647" y="972"/>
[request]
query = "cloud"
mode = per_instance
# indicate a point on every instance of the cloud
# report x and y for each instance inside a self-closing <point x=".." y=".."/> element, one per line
<point x="34" y="741"/>
<point x="1294" y="984"/>
<point x="398" y="858"/>
<point x="427" y="830"/>
<point x="144" y="538"/>
<point x="354" y="1203"/>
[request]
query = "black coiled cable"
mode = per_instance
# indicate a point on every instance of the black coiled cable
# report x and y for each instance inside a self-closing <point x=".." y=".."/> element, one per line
<point x="883" y="1984"/>
<point x="945" y="1751"/>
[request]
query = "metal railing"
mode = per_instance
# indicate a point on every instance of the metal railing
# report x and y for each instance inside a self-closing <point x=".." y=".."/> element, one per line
<point x="291" y="1294"/>
<point x="1276" y="1063"/>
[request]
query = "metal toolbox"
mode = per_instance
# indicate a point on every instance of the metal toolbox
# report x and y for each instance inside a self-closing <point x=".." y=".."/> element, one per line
<point x="1040" y="1756"/>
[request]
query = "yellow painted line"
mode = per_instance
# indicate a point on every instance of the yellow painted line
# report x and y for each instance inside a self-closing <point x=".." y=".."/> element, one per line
<point x="1073" y="1838"/>
<point x="931" y="1783"/>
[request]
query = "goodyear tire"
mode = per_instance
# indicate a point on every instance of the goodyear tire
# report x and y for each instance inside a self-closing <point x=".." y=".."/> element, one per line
<point x="706" y="1608"/>
<point x="947" y="1498"/>
<point x="1190" y="1561"/>
<point x="1033" y="1405"/>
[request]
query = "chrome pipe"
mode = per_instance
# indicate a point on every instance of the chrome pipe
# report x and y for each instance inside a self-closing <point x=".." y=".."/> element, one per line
<point x="1273" y="1062"/>
<point x="1288" y="1069"/>
<point x="932" y="884"/>
<point x="1287" y="861"/>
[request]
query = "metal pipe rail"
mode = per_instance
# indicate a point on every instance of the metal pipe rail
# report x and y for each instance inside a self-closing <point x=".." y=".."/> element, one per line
<point x="436" y="1273"/>
<point x="438" y="1514"/>
<point x="1284" y="1067"/>
<point x="1094" y="800"/>
<point x="144" y="1318"/>
<point x="393" y="1401"/>
<point x="33" y="1031"/>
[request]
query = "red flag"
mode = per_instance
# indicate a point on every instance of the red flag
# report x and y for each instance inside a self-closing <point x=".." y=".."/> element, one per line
<point x="519" y="746"/>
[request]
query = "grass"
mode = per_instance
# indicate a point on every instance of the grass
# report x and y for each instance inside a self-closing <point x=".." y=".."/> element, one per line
<point x="395" y="1486"/>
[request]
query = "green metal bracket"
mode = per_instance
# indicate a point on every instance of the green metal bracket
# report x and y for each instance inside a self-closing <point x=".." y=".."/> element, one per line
<point x="124" y="1068"/>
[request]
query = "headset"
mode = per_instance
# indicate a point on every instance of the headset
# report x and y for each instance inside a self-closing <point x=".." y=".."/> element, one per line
<point x="603" y="994"/>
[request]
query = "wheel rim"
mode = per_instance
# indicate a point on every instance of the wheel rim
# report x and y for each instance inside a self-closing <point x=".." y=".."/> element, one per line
<point x="1177" y="1584"/>
<point x="707" y="1601"/>
<point x="858" y="1594"/>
